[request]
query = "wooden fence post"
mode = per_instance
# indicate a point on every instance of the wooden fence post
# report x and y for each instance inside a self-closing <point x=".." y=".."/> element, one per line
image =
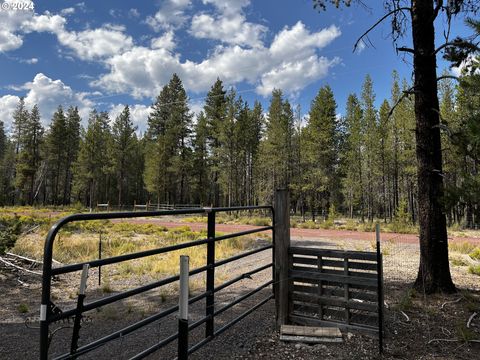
<point x="281" y="245"/>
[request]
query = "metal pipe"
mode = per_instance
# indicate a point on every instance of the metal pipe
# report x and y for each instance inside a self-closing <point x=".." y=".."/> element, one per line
<point x="182" y="351"/>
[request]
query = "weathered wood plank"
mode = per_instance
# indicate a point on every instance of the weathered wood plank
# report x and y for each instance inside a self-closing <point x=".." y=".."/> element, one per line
<point x="340" y="302"/>
<point x="327" y="291"/>
<point x="310" y="331"/>
<point x="303" y="320"/>
<point x="358" y="255"/>
<point x="335" y="263"/>
<point x="336" y="272"/>
<point x="313" y="275"/>
<point x="310" y="340"/>
<point x="334" y="284"/>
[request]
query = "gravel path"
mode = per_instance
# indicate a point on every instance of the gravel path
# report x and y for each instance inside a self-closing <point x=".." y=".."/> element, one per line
<point x="253" y="337"/>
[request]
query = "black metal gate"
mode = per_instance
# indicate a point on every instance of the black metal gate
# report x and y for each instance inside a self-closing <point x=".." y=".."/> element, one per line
<point x="50" y="314"/>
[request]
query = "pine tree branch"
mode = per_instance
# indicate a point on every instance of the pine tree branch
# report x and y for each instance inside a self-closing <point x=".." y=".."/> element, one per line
<point x="450" y="43"/>
<point x="406" y="93"/>
<point x="377" y="23"/>
<point x="405" y="49"/>
<point x="444" y="77"/>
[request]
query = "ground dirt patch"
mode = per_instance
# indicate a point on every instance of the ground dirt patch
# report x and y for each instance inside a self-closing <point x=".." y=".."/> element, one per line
<point x="417" y="327"/>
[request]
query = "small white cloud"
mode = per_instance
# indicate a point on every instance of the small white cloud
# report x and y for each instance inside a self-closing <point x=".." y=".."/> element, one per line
<point x="294" y="76"/>
<point x="31" y="61"/>
<point x="166" y="41"/>
<point x="171" y="15"/>
<point x="298" y="42"/>
<point x="231" y="29"/>
<point x="228" y="7"/>
<point x="228" y="25"/>
<point x="67" y="11"/>
<point x="134" y="13"/>
<point x="97" y="43"/>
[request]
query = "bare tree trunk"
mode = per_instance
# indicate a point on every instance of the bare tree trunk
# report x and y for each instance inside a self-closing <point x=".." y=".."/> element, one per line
<point x="434" y="272"/>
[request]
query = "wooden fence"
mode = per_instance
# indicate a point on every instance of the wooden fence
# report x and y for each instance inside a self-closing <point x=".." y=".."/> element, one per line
<point x="334" y="288"/>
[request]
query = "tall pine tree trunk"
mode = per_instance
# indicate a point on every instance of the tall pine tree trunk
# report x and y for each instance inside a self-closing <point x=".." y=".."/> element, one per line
<point x="434" y="272"/>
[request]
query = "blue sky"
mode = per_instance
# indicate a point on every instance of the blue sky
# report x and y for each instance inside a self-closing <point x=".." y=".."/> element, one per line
<point x="105" y="54"/>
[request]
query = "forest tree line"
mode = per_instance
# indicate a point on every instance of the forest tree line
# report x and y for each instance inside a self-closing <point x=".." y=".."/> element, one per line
<point x="361" y="164"/>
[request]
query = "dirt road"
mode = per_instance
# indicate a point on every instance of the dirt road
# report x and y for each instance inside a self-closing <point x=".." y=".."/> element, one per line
<point x="298" y="233"/>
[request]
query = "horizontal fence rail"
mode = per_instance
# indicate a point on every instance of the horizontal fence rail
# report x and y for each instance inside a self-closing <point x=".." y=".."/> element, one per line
<point x="50" y="314"/>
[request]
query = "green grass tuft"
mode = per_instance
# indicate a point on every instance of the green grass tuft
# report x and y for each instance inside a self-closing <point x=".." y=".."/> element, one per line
<point x="474" y="269"/>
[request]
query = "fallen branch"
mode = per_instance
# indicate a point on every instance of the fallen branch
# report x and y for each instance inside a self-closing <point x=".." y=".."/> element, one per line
<point x="470" y="319"/>
<point x="450" y="302"/>
<point x="23" y="283"/>
<point x="24" y="258"/>
<point x="406" y="316"/>
<point x="19" y="267"/>
<point x="453" y="340"/>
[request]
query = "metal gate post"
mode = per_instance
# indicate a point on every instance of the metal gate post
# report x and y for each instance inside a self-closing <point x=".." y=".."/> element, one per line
<point x="210" y="300"/>
<point x="183" y="309"/>
<point x="380" y="289"/>
<point x="281" y="266"/>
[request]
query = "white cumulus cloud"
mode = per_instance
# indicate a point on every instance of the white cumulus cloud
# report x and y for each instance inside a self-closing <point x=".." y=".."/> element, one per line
<point x="48" y="94"/>
<point x="87" y="45"/>
<point x="142" y="71"/>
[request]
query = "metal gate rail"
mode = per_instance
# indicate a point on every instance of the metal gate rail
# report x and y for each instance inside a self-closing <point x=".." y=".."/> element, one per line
<point x="49" y="316"/>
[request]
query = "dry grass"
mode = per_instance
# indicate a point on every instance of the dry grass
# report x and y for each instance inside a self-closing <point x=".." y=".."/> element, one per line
<point x="461" y="247"/>
<point x="80" y="243"/>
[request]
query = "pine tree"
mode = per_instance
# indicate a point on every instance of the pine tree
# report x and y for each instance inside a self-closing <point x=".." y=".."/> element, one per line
<point x="215" y="112"/>
<point x="320" y="152"/>
<point x="92" y="169"/>
<point x="276" y="149"/>
<point x="5" y="170"/>
<point x="56" y="156"/>
<point x="353" y="163"/>
<point x="72" y="128"/>
<point x="123" y="147"/>
<point x="371" y="153"/>
<point x="28" y="158"/>
<point x="180" y="125"/>
<point x="201" y="165"/>
<point x="384" y="157"/>
<point x="169" y="141"/>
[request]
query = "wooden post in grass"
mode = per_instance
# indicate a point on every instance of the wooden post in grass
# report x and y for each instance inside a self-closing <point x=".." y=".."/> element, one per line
<point x="281" y="245"/>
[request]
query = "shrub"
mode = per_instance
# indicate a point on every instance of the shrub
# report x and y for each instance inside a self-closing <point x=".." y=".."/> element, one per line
<point x="475" y="254"/>
<point x="23" y="308"/>
<point x="474" y="269"/>
<point x="401" y="222"/>
<point x="351" y="225"/>
<point x="10" y="229"/>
